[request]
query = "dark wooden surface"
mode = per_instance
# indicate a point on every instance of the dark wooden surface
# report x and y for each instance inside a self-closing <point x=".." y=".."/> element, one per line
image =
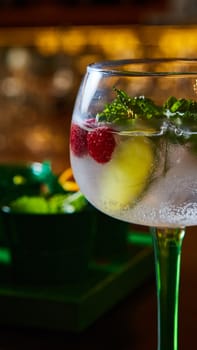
<point x="129" y="325"/>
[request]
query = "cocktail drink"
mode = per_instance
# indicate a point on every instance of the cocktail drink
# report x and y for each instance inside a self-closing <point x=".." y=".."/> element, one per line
<point x="133" y="149"/>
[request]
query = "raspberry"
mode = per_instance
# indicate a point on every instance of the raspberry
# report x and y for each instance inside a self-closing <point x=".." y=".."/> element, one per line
<point x="101" y="144"/>
<point x="78" y="140"/>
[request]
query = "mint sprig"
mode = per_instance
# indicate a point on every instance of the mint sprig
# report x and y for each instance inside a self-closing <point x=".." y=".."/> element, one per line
<point x="124" y="107"/>
<point x="178" y="116"/>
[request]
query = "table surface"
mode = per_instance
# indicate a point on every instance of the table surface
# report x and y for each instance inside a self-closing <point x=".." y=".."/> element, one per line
<point x="132" y="324"/>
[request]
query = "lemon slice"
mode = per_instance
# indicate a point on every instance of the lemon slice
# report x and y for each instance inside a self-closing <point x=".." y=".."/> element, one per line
<point x="126" y="175"/>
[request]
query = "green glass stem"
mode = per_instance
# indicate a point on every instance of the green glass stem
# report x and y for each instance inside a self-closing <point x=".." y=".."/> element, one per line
<point x="167" y="248"/>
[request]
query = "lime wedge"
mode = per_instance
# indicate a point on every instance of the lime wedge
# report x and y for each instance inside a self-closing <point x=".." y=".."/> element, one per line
<point x="126" y="176"/>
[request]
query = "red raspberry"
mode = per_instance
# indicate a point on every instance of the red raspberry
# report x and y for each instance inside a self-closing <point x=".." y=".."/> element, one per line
<point x="78" y="140"/>
<point x="101" y="144"/>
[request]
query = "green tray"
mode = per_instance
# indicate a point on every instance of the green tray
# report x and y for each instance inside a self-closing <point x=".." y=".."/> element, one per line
<point x="75" y="307"/>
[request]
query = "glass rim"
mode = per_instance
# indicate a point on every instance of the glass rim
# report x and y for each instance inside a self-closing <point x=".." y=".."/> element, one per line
<point x="115" y="67"/>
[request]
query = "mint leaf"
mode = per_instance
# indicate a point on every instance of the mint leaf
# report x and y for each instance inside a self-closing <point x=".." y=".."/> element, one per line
<point x="186" y="109"/>
<point x="117" y="110"/>
<point x="124" y="107"/>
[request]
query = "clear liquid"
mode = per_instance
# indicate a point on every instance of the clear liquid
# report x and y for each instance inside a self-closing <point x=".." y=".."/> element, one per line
<point x="168" y="197"/>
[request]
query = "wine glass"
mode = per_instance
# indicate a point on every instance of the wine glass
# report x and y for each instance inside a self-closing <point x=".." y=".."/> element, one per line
<point x="133" y="151"/>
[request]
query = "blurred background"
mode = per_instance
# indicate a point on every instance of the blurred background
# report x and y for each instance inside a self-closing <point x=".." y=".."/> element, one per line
<point x="45" y="47"/>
